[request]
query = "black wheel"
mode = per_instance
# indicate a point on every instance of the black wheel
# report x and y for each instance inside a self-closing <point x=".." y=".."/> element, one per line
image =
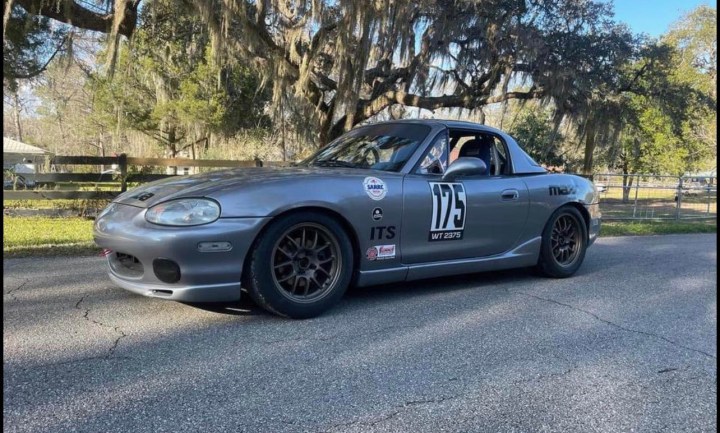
<point x="300" y="266"/>
<point x="564" y="242"/>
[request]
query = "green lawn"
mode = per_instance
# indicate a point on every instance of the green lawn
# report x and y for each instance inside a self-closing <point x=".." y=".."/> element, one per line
<point x="640" y="228"/>
<point x="26" y="236"/>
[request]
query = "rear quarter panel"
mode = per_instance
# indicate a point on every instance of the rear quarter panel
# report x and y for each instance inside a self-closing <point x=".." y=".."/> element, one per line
<point x="548" y="192"/>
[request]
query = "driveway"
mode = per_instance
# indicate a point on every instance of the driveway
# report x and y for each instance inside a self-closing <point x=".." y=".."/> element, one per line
<point x="628" y="344"/>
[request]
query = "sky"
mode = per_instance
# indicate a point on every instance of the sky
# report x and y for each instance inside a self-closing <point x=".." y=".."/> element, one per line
<point x="654" y="16"/>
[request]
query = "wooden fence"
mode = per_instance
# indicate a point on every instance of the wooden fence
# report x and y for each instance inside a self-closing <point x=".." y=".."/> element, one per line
<point x="44" y="182"/>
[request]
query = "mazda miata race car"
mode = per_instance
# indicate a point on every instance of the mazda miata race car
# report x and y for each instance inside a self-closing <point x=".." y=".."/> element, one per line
<point x="386" y="202"/>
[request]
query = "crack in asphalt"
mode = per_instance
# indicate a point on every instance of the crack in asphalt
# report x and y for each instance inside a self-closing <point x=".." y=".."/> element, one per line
<point x="397" y="410"/>
<point x="11" y="291"/>
<point x="608" y="322"/>
<point x="115" y="329"/>
<point x="392" y="414"/>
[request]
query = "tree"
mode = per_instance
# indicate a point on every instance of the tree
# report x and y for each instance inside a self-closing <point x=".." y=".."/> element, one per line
<point x="345" y="61"/>
<point x="171" y="88"/>
<point x="534" y="131"/>
<point x="348" y="61"/>
<point x="694" y="39"/>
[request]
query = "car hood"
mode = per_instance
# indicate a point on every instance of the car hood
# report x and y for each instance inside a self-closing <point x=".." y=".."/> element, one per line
<point x="205" y="184"/>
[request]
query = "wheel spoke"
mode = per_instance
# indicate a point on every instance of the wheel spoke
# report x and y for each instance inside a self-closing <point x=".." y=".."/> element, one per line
<point x="329" y="259"/>
<point x="315" y="242"/>
<point x="307" y="285"/>
<point x="302" y="242"/>
<point x="322" y="248"/>
<point x="297" y="246"/>
<point x="292" y="274"/>
<point x="283" y="264"/>
<point x="285" y="252"/>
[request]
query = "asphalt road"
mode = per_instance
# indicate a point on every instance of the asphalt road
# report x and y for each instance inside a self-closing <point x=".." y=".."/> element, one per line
<point x="628" y="344"/>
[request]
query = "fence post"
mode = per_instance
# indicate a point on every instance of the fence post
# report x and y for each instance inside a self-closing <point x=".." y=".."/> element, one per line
<point x="122" y="163"/>
<point x="637" y="187"/>
<point x="679" y="198"/>
<point x="707" y="191"/>
<point x="47" y="167"/>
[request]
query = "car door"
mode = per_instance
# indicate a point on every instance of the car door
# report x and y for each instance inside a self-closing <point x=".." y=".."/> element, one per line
<point x="469" y="217"/>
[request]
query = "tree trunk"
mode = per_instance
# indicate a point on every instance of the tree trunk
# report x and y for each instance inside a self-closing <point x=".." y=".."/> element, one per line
<point x="627" y="187"/>
<point x="626" y="182"/>
<point x="173" y="146"/>
<point x="16" y="115"/>
<point x="589" y="146"/>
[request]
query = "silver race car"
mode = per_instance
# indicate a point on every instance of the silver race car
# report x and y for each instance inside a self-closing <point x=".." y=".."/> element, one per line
<point x="387" y="202"/>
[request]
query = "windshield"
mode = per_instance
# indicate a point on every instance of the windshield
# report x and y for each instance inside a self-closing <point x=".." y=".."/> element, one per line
<point x="384" y="147"/>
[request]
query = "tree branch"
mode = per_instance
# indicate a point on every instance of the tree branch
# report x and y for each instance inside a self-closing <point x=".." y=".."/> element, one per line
<point x="70" y="12"/>
<point x="40" y="70"/>
<point x="369" y="108"/>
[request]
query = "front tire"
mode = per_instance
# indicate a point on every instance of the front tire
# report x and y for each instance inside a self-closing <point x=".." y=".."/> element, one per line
<point x="300" y="266"/>
<point x="564" y="242"/>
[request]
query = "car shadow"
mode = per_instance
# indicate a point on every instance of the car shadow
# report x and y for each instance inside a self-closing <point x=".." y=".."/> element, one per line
<point x="244" y="307"/>
<point x="357" y="295"/>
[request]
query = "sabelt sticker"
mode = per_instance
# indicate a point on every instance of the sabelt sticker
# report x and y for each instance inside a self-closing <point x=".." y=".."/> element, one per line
<point x="386" y="252"/>
<point x="375" y="188"/>
<point x="381" y="252"/>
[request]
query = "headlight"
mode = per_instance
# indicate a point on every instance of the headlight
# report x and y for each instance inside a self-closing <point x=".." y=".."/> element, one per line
<point x="184" y="212"/>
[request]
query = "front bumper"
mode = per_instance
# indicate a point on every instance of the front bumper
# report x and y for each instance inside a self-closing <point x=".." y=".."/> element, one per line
<point x="595" y="222"/>
<point x="204" y="276"/>
<point x="200" y="293"/>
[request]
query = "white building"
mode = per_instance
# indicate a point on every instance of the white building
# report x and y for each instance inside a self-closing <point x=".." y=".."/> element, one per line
<point x="180" y="170"/>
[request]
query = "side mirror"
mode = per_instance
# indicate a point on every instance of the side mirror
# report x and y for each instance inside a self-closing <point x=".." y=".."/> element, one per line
<point x="465" y="166"/>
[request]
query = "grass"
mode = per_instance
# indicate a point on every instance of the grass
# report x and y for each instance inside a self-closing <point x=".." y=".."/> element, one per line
<point x="42" y="236"/>
<point x="643" y="228"/>
<point x="55" y="204"/>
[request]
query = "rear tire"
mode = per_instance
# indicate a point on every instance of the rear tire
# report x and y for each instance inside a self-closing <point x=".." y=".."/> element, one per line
<point x="300" y="266"/>
<point x="564" y="242"/>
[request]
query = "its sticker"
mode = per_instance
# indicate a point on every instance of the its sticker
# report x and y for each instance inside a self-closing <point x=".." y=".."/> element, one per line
<point x="377" y="214"/>
<point x="375" y="188"/>
<point x="449" y="205"/>
<point x="371" y="253"/>
<point x="382" y="232"/>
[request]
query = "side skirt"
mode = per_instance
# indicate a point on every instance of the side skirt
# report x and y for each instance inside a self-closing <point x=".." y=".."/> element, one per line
<point x="526" y="254"/>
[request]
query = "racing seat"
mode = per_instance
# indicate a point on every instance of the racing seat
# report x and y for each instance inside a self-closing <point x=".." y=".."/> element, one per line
<point x="481" y="147"/>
